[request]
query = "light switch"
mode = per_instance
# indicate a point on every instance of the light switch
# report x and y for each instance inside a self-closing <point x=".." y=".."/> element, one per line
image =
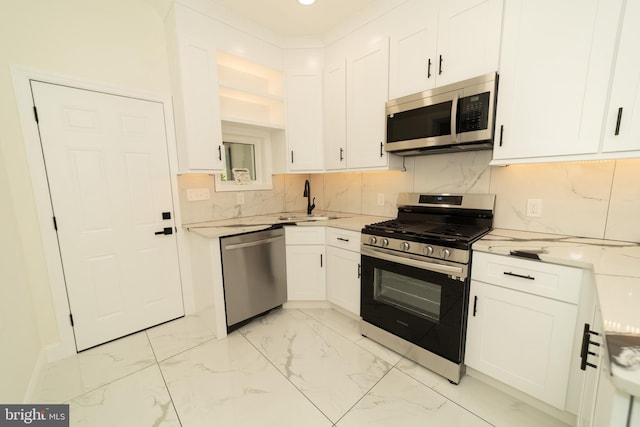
<point x="381" y="199"/>
<point x="240" y="198"/>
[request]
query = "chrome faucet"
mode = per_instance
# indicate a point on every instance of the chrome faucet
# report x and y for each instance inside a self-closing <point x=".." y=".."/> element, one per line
<point x="307" y="193"/>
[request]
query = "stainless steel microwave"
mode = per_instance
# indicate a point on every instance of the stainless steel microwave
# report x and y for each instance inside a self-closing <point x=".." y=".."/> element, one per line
<point x="453" y="118"/>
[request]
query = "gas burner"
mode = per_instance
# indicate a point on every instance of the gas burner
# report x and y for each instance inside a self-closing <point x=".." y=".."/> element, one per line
<point x="427" y="227"/>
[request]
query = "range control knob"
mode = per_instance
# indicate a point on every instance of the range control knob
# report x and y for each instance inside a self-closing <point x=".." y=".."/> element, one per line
<point x="384" y="243"/>
<point x="404" y="246"/>
<point x="445" y="253"/>
<point x="428" y="250"/>
<point x="372" y="240"/>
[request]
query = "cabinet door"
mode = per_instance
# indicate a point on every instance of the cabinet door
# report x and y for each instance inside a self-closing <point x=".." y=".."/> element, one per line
<point x="367" y="88"/>
<point x="591" y="374"/>
<point x="343" y="278"/>
<point x="306" y="273"/>
<point x="413" y="61"/>
<point x="199" y="127"/>
<point x="554" y="67"/>
<point x="622" y="132"/>
<point x="335" y="116"/>
<point x="468" y="39"/>
<point x="304" y="120"/>
<point x="522" y="340"/>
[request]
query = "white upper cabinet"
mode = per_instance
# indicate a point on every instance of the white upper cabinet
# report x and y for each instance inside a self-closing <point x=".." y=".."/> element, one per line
<point x="335" y="116"/>
<point x="453" y="41"/>
<point x="622" y="131"/>
<point x="554" y="72"/>
<point x="304" y="120"/>
<point x="198" y="121"/>
<point x="367" y="89"/>
<point x="468" y="39"/>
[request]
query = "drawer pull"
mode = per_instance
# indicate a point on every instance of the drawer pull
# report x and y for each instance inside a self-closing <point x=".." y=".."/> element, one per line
<point x="586" y="343"/>
<point x="508" y="273"/>
<point x="342" y="239"/>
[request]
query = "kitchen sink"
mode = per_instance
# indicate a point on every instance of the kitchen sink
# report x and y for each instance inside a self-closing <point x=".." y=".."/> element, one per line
<point x="307" y="217"/>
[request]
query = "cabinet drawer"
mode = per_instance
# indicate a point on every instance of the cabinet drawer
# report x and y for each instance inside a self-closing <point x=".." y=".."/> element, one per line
<point x="345" y="239"/>
<point x="304" y="235"/>
<point x="548" y="280"/>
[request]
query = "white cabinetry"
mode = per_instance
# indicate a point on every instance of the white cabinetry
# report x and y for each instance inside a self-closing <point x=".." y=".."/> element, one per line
<point x="306" y="261"/>
<point x="521" y="324"/>
<point x="304" y="120"/>
<point x="555" y="66"/>
<point x="343" y="269"/>
<point x="367" y="91"/>
<point x="601" y="404"/>
<point x="622" y="132"/>
<point x="197" y="108"/>
<point x="355" y="93"/>
<point x="335" y="116"/>
<point x="453" y="41"/>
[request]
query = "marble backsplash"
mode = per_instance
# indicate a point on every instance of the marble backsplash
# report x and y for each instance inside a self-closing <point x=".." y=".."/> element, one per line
<point x="588" y="199"/>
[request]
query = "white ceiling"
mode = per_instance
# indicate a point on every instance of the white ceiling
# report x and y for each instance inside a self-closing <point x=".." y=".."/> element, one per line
<point x="289" y="18"/>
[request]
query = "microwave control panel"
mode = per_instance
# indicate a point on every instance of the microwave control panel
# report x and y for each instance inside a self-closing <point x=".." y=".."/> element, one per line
<point x="473" y="113"/>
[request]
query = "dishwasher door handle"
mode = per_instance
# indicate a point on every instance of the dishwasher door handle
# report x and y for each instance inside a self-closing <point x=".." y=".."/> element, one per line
<point x="256" y="243"/>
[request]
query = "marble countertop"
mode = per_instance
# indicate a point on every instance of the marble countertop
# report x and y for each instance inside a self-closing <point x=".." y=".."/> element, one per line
<point x="616" y="269"/>
<point x="228" y="227"/>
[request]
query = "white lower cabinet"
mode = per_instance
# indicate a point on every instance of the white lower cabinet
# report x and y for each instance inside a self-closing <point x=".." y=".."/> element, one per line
<point x="601" y="404"/>
<point x="343" y="269"/>
<point x="517" y="337"/>
<point x="306" y="263"/>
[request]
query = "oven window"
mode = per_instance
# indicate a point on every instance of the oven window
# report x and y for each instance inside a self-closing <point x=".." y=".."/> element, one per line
<point x="407" y="293"/>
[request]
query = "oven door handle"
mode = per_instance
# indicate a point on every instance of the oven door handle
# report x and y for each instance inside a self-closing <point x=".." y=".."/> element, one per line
<point x="439" y="268"/>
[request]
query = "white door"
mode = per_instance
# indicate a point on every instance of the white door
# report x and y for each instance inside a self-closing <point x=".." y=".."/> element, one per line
<point x="108" y="172"/>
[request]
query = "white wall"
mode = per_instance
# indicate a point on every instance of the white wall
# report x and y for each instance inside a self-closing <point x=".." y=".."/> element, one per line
<point x="116" y="42"/>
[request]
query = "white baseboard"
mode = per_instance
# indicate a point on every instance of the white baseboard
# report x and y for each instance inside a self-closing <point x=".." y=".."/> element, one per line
<point x="564" y="416"/>
<point x="307" y="304"/>
<point x="35" y="377"/>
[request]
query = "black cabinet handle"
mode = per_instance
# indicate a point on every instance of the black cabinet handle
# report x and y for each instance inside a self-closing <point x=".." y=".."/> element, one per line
<point x="440" y="66"/>
<point x="429" y="69"/>
<point x="166" y="230"/>
<point x="508" y="273"/>
<point x="219" y="152"/>
<point x="381" y="145"/>
<point x="320" y="260"/>
<point x="475" y="305"/>
<point x="586" y="342"/>
<point x="341" y="154"/>
<point x="342" y="239"/>
<point x="359" y="271"/>
<point x="292" y="156"/>
<point x="501" y="133"/>
<point x="618" y="121"/>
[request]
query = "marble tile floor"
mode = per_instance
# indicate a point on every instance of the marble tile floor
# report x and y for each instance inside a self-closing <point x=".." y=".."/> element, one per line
<point x="293" y="367"/>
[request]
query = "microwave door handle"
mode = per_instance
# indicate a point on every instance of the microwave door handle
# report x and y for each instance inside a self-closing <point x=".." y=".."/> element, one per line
<point x="454" y="115"/>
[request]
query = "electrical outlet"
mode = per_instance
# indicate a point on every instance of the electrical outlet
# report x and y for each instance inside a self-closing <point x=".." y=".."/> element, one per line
<point x="196" y="194"/>
<point x="534" y="208"/>
<point x="381" y="199"/>
<point x="240" y="198"/>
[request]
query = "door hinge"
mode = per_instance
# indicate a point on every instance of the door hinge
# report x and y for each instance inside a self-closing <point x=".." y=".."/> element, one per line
<point x="35" y="114"/>
<point x="71" y="319"/>
<point x="55" y="223"/>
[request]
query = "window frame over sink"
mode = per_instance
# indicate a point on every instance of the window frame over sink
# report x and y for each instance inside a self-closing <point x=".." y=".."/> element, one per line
<point x="260" y="139"/>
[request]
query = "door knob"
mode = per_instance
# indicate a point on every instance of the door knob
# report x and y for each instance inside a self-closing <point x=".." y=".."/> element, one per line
<point x="166" y="230"/>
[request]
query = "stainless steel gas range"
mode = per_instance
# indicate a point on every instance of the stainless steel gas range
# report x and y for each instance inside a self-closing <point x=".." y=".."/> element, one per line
<point x="416" y="275"/>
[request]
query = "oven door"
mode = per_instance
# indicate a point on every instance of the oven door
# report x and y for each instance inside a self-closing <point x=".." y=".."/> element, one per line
<point x="423" y="302"/>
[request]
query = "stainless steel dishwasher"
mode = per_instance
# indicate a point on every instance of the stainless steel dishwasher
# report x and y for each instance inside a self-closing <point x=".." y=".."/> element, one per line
<point x="254" y="274"/>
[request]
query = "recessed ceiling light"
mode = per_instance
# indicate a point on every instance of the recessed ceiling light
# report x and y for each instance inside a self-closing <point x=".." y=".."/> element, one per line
<point x="306" y="2"/>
